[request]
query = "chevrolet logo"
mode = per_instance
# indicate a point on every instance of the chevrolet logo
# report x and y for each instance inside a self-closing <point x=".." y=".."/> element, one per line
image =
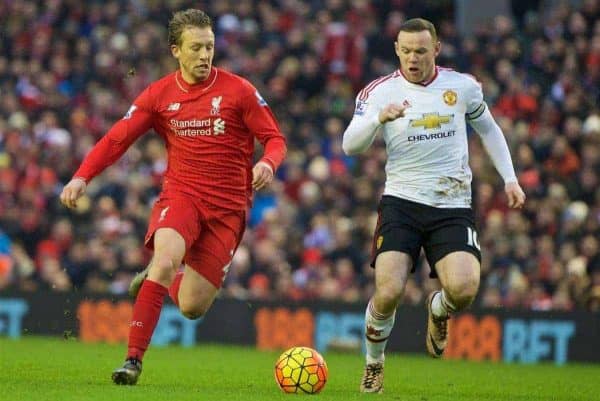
<point x="431" y="120"/>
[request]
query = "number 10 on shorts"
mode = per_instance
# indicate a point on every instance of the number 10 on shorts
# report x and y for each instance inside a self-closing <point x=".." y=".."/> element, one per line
<point x="472" y="238"/>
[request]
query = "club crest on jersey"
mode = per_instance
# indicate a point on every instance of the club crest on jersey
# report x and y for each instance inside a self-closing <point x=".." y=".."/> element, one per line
<point x="449" y="97"/>
<point x="216" y="105"/>
<point x="127" y="115"/>
<point x="361" y="107"/>
<point x="379" y="241"/>
<point x="163" y="213"/>
<point x="261" y="101"/>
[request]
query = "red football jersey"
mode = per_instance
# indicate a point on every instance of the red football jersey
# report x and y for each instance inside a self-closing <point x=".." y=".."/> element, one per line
<point x="209" y="130"/>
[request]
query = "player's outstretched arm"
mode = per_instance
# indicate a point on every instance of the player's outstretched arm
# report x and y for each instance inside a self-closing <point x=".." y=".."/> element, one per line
<point x="108" y="150"/>
<point x="72" y="192"/>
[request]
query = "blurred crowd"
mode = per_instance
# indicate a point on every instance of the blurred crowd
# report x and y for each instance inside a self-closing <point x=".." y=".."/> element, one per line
<point x="70" y="69"/>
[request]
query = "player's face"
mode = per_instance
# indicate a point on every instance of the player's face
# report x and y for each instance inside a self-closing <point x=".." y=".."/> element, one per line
<point x="195" y="53"/>
<point x="417" y="52"/>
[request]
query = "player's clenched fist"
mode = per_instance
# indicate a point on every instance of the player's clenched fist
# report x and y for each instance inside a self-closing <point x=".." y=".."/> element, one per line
<point x="262" y="175"/>
<point x="391" y="112"/>
<point x="73" y="191"/>
<point x="515" y="195"/>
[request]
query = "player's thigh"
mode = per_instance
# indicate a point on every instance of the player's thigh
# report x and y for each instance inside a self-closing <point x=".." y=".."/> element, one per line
<point x="177" y="213"/>
<point x="391" y="272"/>
<point x="396" y="232"/>
<point x="451" y="231"/>
<point x="210" y="255"/>
<point x="174" y="225"/>
<point x="169" y="244"/>
<point x="196" y="293"/>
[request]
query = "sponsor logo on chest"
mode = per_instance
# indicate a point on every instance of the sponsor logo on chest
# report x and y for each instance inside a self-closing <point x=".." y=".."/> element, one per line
<point x="431" y="121"/>
<point x="193" y="127"/>
<point x="198" y="127"/>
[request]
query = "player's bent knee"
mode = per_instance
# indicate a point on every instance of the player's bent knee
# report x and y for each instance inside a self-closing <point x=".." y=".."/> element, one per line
<point x="164" y="265"/>
<point x="462" y="295"/>
<point x="162" y="261"/>
<point x="162" y="270"/>
<point x="192" y="311"/>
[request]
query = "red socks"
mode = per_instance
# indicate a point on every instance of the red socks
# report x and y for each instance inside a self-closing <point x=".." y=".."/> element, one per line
<point x="146" y="312"/>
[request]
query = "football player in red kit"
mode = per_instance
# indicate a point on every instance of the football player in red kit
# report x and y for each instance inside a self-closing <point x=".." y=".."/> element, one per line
<point x="208" y="119"/>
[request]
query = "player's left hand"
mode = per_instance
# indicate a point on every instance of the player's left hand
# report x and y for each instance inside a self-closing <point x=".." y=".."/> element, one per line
<point x="262" y="175"/>
<point x="515" y="195"/>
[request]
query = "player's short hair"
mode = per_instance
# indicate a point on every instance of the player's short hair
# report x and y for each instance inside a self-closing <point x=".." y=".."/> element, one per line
<point x="418" y="25"/>
<point x="187" y="18"/>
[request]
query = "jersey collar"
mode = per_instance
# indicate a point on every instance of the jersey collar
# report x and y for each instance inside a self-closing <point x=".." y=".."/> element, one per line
<point x="422" y="83"/>
<point x="200" y="86"/>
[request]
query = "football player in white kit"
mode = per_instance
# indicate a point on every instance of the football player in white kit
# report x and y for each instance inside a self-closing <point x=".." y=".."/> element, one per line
<point x="422" y="110"/>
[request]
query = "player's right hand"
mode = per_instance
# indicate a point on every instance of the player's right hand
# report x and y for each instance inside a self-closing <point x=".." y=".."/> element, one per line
<point x="391" y="112"/>
<point x="514" y="193"/>
<point x="73" y="191"/>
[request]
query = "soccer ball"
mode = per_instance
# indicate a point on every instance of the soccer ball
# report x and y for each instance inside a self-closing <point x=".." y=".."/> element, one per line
<point x="301" y="370"/>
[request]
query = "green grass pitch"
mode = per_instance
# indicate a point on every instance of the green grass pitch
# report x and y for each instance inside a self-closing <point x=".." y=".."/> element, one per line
<point x="62" y="370"/>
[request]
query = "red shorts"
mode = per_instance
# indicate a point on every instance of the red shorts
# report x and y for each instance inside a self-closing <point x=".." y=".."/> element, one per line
<point x="211" y="238"/>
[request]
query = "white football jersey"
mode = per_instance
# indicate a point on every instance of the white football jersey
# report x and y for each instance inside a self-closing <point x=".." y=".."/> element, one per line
<point x="427" y="149"/>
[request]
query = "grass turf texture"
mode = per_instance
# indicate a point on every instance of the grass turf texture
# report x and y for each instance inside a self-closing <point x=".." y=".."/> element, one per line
<point x="55" y="369"/>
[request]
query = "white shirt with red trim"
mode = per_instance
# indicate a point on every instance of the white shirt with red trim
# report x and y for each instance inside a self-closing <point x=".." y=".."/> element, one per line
<point x="427" y="149"/>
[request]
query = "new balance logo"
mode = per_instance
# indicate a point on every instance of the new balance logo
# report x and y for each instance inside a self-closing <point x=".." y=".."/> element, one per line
<point x="173" y="107"/>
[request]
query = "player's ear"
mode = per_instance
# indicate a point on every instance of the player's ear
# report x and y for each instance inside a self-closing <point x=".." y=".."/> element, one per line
<point x="397" y="48"/>
<point x="438" y="48"/>
<point x="175" y="51"/>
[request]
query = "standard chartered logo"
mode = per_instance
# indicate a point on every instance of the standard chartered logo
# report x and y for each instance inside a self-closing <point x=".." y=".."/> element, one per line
<point x="218" y="126"/>
<point x="191" y="128"/>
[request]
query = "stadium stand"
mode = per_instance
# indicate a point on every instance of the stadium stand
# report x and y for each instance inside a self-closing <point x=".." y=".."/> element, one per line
<point x="69" y="69"/>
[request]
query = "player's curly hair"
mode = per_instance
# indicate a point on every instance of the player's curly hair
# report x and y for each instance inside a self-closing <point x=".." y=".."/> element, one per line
<point x="184" y="19"/>
<point x="418" y="25"/>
